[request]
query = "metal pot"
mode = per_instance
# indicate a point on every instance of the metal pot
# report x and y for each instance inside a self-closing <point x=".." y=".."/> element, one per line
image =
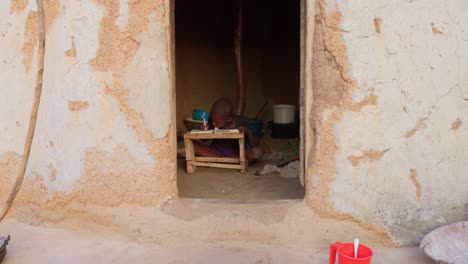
<point x="3" y="246"/>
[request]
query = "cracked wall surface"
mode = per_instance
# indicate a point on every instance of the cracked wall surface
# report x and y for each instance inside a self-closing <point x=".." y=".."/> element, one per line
<point x="103" y="131"/>
<point x="398" y="163"/>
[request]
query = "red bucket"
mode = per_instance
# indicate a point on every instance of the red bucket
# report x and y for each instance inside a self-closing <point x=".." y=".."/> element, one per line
<point x="346" y="254"/>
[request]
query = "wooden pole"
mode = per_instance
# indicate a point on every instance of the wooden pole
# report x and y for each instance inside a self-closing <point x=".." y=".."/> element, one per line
<point x="35" y="107"/>
<point x="239" y="50"/>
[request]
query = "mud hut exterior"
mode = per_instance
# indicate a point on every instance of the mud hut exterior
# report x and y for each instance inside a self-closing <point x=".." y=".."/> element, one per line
<point x="386" y="103"/>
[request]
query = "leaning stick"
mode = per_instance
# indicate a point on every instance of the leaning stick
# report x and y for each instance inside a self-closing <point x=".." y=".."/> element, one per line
<point x="239" y="52"/>
<point x="35" y="107"/>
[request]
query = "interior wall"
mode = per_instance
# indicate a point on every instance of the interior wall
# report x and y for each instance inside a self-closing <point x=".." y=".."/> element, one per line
<point x="205" y="69"/>
<point x="280" y="65"/>
<point x="205" y="62"/>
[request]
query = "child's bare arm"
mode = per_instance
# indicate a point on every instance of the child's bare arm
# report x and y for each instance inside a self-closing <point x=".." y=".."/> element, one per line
<point x="253" y="141"/>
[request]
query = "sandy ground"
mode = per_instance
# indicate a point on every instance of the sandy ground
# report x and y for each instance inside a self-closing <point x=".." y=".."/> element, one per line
<point x="213" y="183"/>
<point x="33" y="244"/>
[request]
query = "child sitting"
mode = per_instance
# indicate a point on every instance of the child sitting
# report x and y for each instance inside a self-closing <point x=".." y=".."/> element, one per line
<point x="222" y="117"/>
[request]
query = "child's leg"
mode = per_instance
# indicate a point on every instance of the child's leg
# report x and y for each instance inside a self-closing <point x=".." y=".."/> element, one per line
<point x="253" y="153"/>
<point x="204" y="150"/>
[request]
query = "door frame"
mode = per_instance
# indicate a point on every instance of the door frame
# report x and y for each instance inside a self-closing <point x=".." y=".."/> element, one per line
<point x="308" y="13"/>
<point x="307" y="24"/>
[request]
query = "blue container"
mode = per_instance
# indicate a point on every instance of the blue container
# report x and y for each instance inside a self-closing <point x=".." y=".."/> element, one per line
<point x="256" y="126"/>
<point x="200" y="115"/>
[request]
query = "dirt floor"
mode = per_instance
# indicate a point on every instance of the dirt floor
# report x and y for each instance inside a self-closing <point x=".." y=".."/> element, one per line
<point x="213" y="183"/>
<point x="33" y="244"/>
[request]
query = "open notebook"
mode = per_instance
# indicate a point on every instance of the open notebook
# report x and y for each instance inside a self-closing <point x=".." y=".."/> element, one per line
<point x="216" y="131"/>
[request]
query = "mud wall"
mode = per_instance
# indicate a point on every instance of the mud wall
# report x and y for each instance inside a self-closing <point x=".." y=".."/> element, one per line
<point x="389" y="112"/>
<point x="104" y="132"/>
<point x="388" y="116"/>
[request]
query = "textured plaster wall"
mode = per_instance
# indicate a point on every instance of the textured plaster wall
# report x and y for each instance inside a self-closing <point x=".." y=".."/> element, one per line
<point x="103" y="134"/>
<point x="391" y="100"/>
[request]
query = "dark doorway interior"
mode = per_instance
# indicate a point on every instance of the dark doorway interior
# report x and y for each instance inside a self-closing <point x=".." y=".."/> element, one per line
<point x="205" y="71"/>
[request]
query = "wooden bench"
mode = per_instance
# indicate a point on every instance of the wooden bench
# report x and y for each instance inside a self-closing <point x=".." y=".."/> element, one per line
<point x="218" y="162"/>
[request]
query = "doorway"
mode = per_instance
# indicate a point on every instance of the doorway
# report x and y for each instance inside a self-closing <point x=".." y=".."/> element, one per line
<point x="206" y="70"/>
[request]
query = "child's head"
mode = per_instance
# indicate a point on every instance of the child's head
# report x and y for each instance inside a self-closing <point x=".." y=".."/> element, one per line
<point x="221" y="113"/>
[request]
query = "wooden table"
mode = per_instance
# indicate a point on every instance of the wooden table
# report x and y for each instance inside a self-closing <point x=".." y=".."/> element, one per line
<point x="218" y="162"/>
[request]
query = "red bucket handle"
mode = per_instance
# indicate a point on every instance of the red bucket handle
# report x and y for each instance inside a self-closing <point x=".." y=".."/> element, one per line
<point x="333" y="249"/>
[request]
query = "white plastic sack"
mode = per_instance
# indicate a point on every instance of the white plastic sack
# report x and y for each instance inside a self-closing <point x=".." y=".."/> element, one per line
<point x="289" y="171"/>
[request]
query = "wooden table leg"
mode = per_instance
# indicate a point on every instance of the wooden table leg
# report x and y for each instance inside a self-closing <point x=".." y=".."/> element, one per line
<point x="189" y="155"/>
<point x="242" y="155"/>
